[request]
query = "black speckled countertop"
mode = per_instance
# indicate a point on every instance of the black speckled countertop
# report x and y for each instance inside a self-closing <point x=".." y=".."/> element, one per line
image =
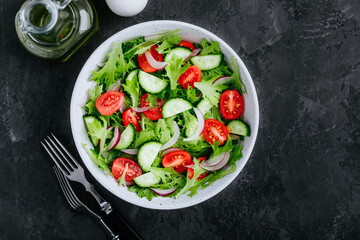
<point x="303" y="178"/>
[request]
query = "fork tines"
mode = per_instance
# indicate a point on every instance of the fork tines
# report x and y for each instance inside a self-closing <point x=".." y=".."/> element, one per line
<point x="62" y="158"/>
<point x="66" y="188"/>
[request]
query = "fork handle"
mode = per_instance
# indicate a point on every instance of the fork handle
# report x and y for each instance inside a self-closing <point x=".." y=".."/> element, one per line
<point x="109" y="228"/>
<point x="122" y="226"/>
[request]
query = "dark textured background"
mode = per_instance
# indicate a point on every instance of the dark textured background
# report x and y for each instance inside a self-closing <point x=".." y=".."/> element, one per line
<point x="303" y="179"/>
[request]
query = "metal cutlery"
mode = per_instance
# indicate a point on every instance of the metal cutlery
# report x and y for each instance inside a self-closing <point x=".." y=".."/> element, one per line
<point x="76" y="204"/>
<point x="73" y="171"/>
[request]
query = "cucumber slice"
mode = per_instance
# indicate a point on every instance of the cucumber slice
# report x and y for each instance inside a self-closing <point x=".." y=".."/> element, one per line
<point x="175" y="106"/>
<point x="127" y="137"/>
<point x="179" y="52"/>
<point x="146" y="180"/>
<point x="238" y="127"/>
<point x="207" y="62"/>
<point x="204" y="106"/>
<point x="151" y="83"/>
<point x="147" y="154"/>
<point x="92" y="122"/>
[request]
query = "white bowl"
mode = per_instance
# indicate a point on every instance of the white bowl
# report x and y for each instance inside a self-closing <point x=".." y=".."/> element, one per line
<point x="188" y="32"/>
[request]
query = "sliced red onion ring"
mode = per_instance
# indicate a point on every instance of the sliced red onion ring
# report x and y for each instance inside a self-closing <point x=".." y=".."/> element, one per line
<point x="234" y="136"/>
<point x="101" y="64"/>
<point x="109" y="128"/>
<point x="115" y="86"/>
<point x="154" y="36"/>
<point x="105" y="155"/>
<point x="201" y="124"/>
<point x="169" y="150"/>
<point x="174" y="138"/>
<point x="222" y="80"/>
<point x="193" y="54"/>
<point x="153" y="63"/>
<point x="115" y="140"/>
<point x="131" y="151"/>
<point x="164" y="192"/>
<point x="140" y="109"/>
<point x="129" y="183"/>
<point x="217" y="162"/>
<point x="122" y="108"/>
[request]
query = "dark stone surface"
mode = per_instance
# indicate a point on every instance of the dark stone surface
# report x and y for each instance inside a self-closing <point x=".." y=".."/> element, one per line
<point x="303" y="179"/>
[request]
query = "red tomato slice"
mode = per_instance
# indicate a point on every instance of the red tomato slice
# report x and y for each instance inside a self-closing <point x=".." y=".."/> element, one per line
<point x="187" y="44"/>
<point x="177" y="160"/>
<point x="190" y="171"/>
<point x="191" y="75"/>
<point x="119" y="166"/>
<point x="155" y="112"/>
<point x="144" y="64"/>
<point x="109" y="102"/>
<point x="231" y="104"/>
<point x="132" y="117"/>
<point x="215" y="131"/>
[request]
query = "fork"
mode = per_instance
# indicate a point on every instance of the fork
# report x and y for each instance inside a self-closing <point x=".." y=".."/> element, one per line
<point x="76" y="204"/>
<point x="73" y="171"/>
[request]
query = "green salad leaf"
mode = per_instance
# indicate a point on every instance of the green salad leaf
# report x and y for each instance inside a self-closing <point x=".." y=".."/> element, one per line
<point x="209" y="47"/>
<point x="209" y="91"/>
<point x="174" y="69"/>
<point x="239" y="85"/>
<point x="97" y="159"/>
<point x="142" y="192"/>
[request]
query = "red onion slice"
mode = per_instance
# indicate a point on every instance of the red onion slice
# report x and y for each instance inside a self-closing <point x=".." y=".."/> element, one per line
<point x="153" y="63"/>
<point x="101" y="65"/>
<point x="164" y="192"/>
<point x="169" y="150"/>
<point x="109" y="128"/>
<point x="234" y="136"/>
<point x="129" y="183"/>
<point x="115" y="140"/>
<point x="174" y="138"/>
<point x="154" y="36"/>
<point x="131" y="151"/>
<point x="222" y="80"/>
<point x="214" y="164"/>
<point x="193" y="54"/>
<point x="122" y="108"/>
<point x="115" y="86"/>
<point x="201" y="124"/>
<point x="140" y="109"/>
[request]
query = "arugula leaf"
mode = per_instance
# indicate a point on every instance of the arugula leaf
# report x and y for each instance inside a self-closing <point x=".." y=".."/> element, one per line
<point x="142" y="192"/>
<point x="212" y="93"/>
<point x="97" y="159"/>
<point x="174" y="69"/>
<point x="114" y="66"/>
<point x="209" y="48"/>
<point x="239" y="85"/>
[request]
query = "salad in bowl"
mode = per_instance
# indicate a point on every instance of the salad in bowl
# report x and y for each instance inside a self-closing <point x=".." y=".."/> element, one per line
<point x="165" y="116"/>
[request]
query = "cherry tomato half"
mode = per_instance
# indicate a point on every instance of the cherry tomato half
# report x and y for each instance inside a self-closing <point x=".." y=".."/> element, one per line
<point x="109" y="102"/>
<point x="144" y="64"/>
<point x="119" y="165"/>
<point x="155" y="112"/>
<point x="191" y="75"/>
<point x="190" y="171"/>
<point x="130" y="116"/>
<point x="177" y="160"/>
<point x="186" y="44"/>
<point x="215" y="131"/>
<point x="231" y="104"/>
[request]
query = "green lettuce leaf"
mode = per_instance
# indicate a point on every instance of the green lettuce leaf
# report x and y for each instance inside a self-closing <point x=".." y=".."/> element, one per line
<point x="209" y="48"/>
<point x="174" y="69"/>
<point x="142" y="192"/>
<point x="239" y="85"/>
<point x="97" y="159"/>
<point x="212" y="93"/>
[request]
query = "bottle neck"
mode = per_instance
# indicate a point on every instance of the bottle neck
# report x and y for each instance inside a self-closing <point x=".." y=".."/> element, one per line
<point x="40" y="16"/>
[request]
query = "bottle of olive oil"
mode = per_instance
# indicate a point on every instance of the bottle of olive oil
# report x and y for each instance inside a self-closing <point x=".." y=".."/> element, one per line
<point x="55" y="29"/>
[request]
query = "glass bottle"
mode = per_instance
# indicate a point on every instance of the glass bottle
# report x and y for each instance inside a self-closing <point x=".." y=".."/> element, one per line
<point x="55" y="29"/>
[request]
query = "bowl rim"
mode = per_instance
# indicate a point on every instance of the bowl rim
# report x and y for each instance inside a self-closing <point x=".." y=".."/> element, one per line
<point x="252" y="91"/>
